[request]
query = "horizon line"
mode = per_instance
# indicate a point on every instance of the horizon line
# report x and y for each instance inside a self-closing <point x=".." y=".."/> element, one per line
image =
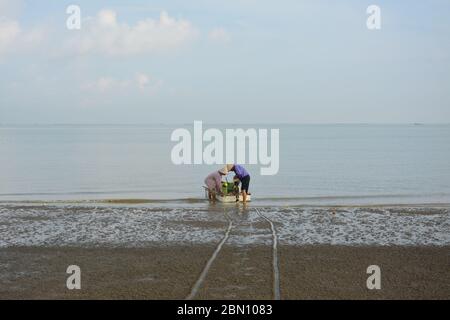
<point x="215" y="123"/>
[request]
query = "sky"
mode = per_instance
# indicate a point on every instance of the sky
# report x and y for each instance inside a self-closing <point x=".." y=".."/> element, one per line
<point x="224" y="61"/>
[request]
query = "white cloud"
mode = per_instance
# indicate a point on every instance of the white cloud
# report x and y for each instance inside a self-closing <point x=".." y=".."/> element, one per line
<point x="219" y="35"/>
<point x="14" y="39"/>
<point x="9" y="32"/>
<point x="141" y="81"/>
<point x="104" y="84"/>
<point x="104" y="34"/>
<point x="10" y="8"/>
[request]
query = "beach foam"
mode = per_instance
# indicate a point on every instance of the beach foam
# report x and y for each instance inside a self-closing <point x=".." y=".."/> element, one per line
<point x="128" y="226"/>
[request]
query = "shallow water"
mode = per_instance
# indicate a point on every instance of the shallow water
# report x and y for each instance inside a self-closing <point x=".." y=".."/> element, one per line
<point x="121" y="226"/>
<point x="319" y="165"/>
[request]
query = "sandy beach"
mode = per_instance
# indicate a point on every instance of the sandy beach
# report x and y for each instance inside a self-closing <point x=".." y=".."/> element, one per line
<point x="135" y="252"/>
<point x="308" y="272"/>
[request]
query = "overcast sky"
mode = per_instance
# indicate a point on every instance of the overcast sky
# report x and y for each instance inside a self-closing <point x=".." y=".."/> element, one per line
<point x="242" y="61"/>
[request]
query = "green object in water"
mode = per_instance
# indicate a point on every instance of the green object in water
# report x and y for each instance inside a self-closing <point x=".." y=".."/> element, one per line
<point x="225" y="187"/>
<point x="228" y="187"/>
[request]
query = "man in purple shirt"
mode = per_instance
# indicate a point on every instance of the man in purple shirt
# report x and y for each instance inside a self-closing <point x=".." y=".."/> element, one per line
<point x="243" y="176"/>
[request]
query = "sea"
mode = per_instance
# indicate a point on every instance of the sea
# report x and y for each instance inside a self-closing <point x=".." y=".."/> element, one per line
<point x="319" y="164"/>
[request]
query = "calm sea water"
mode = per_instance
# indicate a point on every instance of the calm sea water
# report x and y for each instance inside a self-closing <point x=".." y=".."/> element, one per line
<point x="319" y="164"/>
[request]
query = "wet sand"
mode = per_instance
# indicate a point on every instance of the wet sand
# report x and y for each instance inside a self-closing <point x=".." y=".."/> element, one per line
<point x="239" y="272"/>
<point x="135" y="252"/>
<point x="140" y="227"/>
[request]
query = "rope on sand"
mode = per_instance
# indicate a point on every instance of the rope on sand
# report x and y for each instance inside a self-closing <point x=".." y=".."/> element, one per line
<point x="276" y="272"/>
<point x="210" y="261"/>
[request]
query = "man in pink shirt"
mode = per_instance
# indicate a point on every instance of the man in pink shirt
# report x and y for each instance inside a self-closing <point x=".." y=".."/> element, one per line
<point x="214" y="183"/>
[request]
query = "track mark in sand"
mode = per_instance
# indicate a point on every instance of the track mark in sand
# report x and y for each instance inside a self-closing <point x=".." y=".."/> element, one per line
<point x="276" y="272"/>
<point x="202" y="277"/>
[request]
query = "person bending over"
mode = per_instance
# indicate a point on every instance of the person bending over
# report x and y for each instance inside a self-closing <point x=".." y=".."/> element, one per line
<point x="214" y="183"/>
<point x="243" y="176"/>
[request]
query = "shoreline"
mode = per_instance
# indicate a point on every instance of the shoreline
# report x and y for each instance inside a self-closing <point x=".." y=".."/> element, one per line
<point x="306" y="272"/>
<point x="281" y="202"/>
<point x="140" y="226"/>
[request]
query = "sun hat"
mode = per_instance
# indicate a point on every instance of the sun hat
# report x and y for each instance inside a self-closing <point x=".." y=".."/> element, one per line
<point x="229" y="167"/>
<point x="224" y="170"/>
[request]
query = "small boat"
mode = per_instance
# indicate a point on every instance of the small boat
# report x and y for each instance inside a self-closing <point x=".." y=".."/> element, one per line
<point x="232" y="198"/>
<point x="229" y="197"/>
